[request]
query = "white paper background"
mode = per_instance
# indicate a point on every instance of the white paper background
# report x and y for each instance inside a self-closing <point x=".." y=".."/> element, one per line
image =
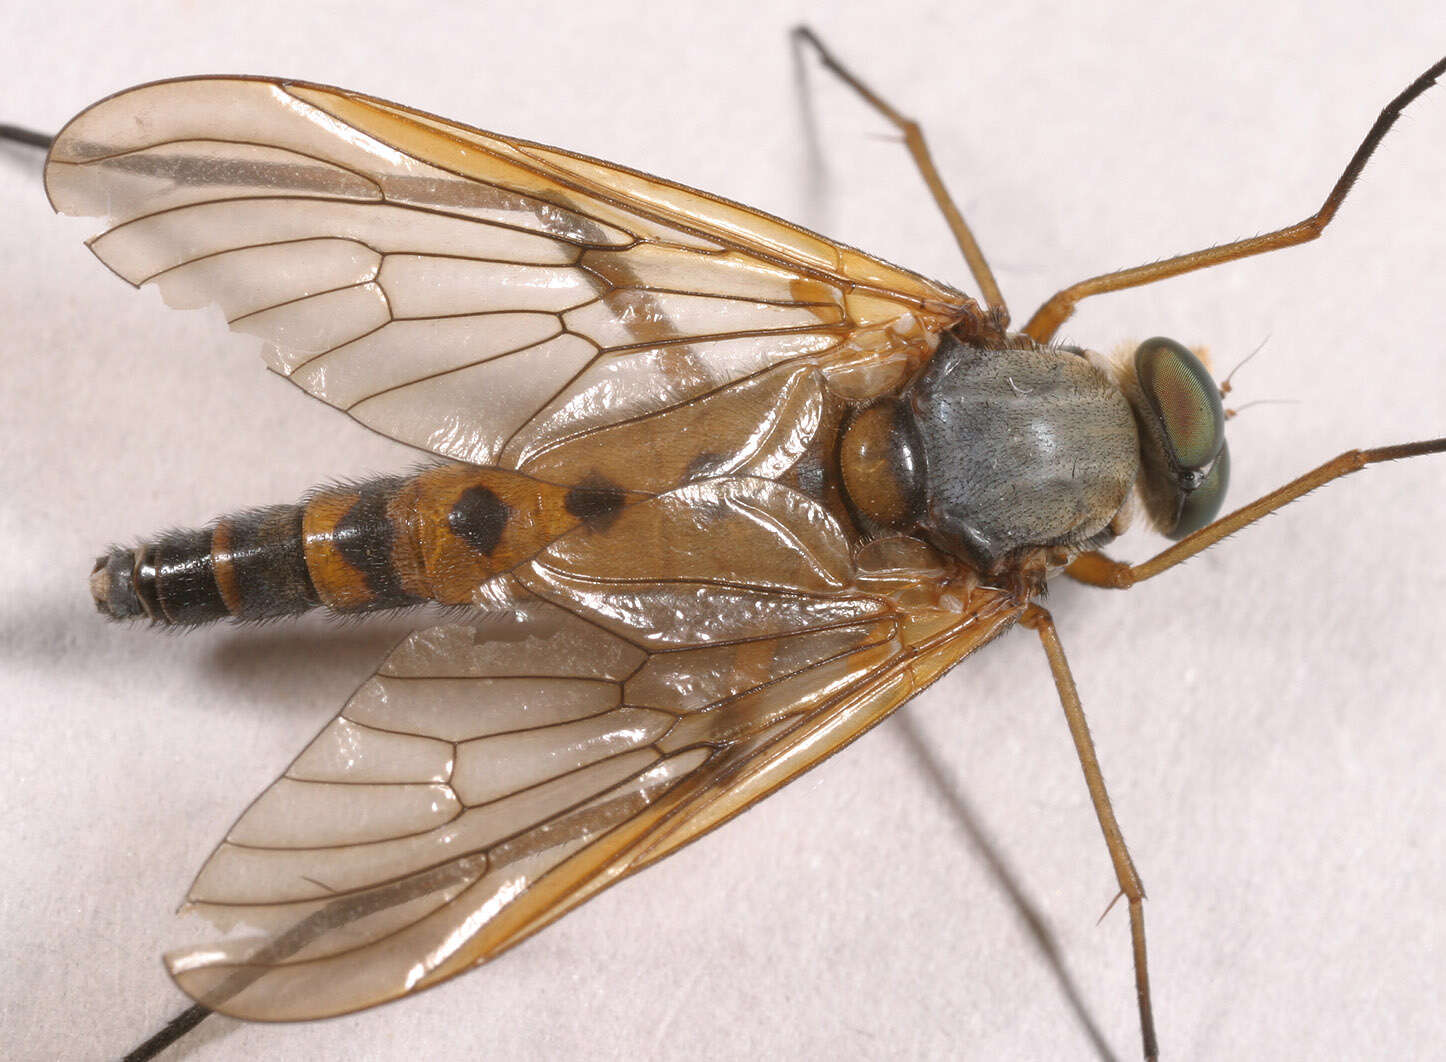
<point x="1269" y="717"/>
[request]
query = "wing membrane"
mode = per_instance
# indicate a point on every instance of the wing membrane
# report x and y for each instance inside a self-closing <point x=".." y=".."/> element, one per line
<point x="466" y="293"/>
<point x="490" y="776"/>
<point x="641" y="679"/>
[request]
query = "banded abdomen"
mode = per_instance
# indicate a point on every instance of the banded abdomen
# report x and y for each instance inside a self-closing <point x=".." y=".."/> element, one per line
<point x="384" y="543"/>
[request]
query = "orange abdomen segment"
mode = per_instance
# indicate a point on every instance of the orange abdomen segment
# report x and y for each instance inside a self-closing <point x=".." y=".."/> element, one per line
<point x="391" y="542"/>
<point x="473" y="523"/>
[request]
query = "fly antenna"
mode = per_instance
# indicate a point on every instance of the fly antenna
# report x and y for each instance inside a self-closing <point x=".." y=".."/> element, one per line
<point x="1225" y="383"/>
<point x="1230" y="414"/>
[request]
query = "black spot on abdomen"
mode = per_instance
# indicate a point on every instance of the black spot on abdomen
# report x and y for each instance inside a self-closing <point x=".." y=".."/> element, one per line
<point x="364" y="538"/>
<point x="478" y="517"/>
<point x="596" y="502"/>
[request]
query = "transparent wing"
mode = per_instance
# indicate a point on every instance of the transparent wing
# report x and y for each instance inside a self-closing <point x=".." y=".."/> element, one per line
<point x="634" y="689"/>
<point x="463" y="292"/>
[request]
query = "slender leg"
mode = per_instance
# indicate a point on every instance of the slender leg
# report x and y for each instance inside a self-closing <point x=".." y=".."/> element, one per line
<point x="1047" y="319"/>
<point x="1098" y="570"/>
<point x="176" y="1028"/>
<point x="20" y="135"/>
<point x="919" y="151"/>
<point x="1040" y="621"/>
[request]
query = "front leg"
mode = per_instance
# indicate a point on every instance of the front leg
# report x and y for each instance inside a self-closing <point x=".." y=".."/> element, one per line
<point x="1095" y="569"/>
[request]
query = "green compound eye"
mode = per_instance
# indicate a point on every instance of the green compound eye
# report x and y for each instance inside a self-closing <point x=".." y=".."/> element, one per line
<point x="1188" y="422"/>
<point x="1200" y="506"/>
<point x="1185" y="401"/>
